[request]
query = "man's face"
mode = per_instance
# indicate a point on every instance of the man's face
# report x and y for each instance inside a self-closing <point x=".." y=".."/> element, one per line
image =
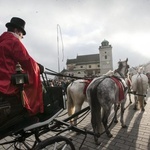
<point x="19" y="33"/>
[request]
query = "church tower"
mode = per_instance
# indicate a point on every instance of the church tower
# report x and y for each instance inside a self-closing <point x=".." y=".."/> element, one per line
<point x="105" y="56"/>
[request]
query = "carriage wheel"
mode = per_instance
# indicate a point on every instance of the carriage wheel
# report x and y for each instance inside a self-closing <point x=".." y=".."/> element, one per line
<point x="55" y="143"/>
<point x="23" y="143"/>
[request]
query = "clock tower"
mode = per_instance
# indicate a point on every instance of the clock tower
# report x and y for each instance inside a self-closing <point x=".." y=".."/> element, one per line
<point x="105" y="56"/>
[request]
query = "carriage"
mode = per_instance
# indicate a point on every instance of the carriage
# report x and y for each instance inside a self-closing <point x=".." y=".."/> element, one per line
<point x="28" y="134"/>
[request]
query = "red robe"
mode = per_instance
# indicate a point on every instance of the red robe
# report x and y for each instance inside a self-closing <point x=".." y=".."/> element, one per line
<point x="12" y="51"/>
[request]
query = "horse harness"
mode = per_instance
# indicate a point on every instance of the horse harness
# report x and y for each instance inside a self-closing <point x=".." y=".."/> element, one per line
<point x="121" y="85"/>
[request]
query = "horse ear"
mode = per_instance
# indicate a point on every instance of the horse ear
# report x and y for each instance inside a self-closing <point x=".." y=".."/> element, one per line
<point x="126" y="59"/>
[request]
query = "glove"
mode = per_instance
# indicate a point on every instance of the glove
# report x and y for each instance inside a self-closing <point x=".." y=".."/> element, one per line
<point x="41" y="68"/>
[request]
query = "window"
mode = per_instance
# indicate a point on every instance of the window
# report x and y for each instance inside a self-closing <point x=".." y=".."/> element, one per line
<point x="81" y="66"/>
<point x="97" y="65"/>
<point x="78" y="72"/>
<point x="89" y="66"/>
<point x="105" y="56"/>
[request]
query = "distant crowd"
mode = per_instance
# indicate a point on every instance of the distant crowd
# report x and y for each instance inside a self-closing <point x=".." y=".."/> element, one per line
<point x="59" y="83"/>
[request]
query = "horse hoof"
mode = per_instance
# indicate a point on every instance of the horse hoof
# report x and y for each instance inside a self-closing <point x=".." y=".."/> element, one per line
<point x="124" y="126"/>
<point x="143" y="109"/>
<point x="109" y="135"/>
<point x="97" y="142"/>
<point x="116" y="121"/>
<point x="134" y="108"/>
<point x="130" y="102"/>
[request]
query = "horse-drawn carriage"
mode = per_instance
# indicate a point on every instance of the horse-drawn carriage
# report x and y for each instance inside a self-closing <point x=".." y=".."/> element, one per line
<point x="28" y="134"/>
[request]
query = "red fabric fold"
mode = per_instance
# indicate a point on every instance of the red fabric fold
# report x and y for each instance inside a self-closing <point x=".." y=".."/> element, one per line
<point x="12" y="51"/>
<point x="120" y="86"/>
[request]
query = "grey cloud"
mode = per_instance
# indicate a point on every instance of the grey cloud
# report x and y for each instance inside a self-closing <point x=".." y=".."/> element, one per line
<point x="84" y="25"/>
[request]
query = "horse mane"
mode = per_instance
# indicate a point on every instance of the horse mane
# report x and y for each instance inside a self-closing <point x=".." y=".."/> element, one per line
<point x="109" y="73"/>
<point x="120" y="65"/>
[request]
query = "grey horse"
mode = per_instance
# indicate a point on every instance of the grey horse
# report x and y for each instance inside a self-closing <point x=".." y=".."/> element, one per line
<point x="102" y="93"/>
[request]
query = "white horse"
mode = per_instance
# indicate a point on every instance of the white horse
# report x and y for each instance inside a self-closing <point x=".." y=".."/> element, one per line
<point x="76" y="96"/>
<point x="139" y="86"/>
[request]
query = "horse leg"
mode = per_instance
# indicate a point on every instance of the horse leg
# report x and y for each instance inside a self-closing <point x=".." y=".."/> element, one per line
<point x="77" y="109"/>
<point x="71" y="109"/>
<point x="145" y="101"/>
<point x="136" y="102"/>
<point x="122" y="115"/>
<point x="106" y="114"/>
<point x="116" y="110"/>
<point x="141" y="101"/>
<point x="129" y="90"/>
<point x="130" y="98"/>
<point x="96" y="122"/>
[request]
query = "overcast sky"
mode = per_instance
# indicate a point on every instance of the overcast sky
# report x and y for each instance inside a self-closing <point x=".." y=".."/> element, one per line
<point x="84" y="25"/>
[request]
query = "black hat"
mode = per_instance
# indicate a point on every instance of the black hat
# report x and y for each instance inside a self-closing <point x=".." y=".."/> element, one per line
<point x="18" y="23"/>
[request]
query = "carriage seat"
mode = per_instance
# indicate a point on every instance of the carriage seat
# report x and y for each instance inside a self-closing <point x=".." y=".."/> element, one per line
<point x="16" y="124"/>
<point x="53" y="102"/>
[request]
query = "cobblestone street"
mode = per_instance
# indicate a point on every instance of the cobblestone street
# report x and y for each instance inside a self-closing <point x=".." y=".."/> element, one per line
<point x="135" y="137"/>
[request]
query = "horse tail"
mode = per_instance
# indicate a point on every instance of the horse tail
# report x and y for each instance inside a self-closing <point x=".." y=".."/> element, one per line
<point x="70" y="103"/>
<point x="96" y="116"/>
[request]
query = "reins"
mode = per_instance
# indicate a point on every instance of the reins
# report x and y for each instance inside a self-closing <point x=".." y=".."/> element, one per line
<point x="51" y="72"/>
<point x="136" y="94"/>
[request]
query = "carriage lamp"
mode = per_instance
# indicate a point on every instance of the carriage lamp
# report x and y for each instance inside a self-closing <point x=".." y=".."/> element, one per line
<point x="19" y="78"/>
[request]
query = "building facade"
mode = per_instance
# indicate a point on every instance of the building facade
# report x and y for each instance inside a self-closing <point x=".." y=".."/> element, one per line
<point x="91" y="65"/>
<point x="84" y="66"/>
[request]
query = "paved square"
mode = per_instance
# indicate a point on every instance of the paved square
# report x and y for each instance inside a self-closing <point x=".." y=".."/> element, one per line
<point x="135" y="137"/>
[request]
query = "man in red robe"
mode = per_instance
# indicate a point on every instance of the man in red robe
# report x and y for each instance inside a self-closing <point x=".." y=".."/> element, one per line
<point x="12" y="51"/>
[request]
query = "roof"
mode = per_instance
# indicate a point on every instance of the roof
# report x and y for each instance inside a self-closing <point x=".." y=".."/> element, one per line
<point x="84" y="58"/>
<point x="71" y="61"/>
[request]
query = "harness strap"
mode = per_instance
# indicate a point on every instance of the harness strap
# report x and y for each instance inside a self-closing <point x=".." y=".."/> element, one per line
<point x="87" y="82"/>
<point x="121" y="87"/>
